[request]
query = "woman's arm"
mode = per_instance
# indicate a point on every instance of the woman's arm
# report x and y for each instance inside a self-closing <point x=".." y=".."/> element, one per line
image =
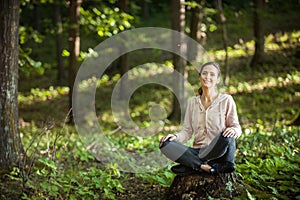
<point x="233" y="128"/>
<point x="186" y="132"/>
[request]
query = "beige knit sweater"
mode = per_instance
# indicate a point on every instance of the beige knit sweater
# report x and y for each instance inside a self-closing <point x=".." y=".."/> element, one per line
<point x="205" y="124"/>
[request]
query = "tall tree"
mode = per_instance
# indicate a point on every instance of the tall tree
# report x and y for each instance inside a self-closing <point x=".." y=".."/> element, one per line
<point x="37" y="15"/>
<point x="258" y="57"/>
<point x="10" y="141"/>
<point x="74" y="46"/>
<point x="123" y="60"/>
<point x="224" y="38"/>
<point x="124" y="5"/>
<point x="178" y="24"/>
<point x="58" y="41"/>
<point x="146" y="9"/>
<point x="195" y="27"/>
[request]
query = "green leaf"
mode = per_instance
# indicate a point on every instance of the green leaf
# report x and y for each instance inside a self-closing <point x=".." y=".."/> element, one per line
<point x="65" y="53"/>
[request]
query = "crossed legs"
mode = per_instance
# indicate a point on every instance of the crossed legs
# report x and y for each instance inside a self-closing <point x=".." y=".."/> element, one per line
<point x="217" y="156"/>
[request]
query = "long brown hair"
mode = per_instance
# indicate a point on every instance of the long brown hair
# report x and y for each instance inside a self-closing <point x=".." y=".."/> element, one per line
<point x="216" y="65"/>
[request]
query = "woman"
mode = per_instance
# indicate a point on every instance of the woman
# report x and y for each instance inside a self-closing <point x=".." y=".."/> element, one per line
<point x="212" y="119"/>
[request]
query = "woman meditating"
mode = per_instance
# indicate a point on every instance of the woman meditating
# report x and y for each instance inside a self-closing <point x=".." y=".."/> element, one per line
<point x="212" y="119"/>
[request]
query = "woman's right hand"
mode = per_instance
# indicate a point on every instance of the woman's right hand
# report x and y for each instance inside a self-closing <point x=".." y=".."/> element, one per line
<point x="165" y="138"/>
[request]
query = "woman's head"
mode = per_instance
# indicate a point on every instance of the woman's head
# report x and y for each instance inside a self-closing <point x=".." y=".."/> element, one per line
<point x="209" y="75"/>
<point x="214" y="64"/>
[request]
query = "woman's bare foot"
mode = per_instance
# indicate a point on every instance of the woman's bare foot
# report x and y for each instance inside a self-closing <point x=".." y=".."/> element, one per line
<point x="206" y="168"/>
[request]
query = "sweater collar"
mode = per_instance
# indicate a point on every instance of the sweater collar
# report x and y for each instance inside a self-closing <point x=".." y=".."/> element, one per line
<point x="219" y="98"/>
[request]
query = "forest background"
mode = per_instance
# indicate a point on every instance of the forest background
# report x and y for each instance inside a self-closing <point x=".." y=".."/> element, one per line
<point x="267" y="93"/>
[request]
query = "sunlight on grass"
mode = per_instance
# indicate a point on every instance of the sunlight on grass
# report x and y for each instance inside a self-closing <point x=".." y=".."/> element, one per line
<point x="37" y="95"/>
<point x="273" y="42"/>
<point x="267" y="82"/>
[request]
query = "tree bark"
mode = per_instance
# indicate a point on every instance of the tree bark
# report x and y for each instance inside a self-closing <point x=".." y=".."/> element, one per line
<point x="59" y="42"/>
<point x="258" y="57"/>
<point x="146" y="9"/>
<point x="37" y="16"/>
<point x="123" y="61"/>
<point x="178" y="24"/>
<point x="124" y="5"/>
<point x="203" y="186"/>
<point x="224" y="38"/>
<point x="195" y="25"/>
<point x="10" y="141"/>
<point x="74" y="47"/>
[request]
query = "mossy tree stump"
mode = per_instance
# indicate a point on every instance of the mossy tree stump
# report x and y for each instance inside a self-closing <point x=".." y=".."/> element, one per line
<point x="204" y="185"/>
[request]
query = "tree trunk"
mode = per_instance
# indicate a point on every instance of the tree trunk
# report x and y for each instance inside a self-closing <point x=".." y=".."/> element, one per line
<point x="124" y="7"/>
<point x="59" y="42"/>
<point x="224" y="37"/>
<point x="195" y="25"/>
<point x="146" y="9"/>
<point x="258" y="57"/>
<point x="10" y="141"/>
<point x="74" y="47"/>
<point x="178" y="24"/>
<point x="37" y="16"/>
<point x="203" y="186"/>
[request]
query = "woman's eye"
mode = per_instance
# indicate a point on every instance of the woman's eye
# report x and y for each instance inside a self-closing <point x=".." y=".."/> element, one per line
<point x="206" y="73"/>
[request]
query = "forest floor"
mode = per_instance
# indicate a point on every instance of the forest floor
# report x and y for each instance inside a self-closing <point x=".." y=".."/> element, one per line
<point x="138" y="188"/>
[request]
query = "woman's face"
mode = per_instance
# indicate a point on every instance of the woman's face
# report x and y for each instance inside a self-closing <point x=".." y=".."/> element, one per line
<point x="209" y="76"/>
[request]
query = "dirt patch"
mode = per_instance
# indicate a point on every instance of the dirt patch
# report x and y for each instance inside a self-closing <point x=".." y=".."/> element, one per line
<point x="138" y="188"/>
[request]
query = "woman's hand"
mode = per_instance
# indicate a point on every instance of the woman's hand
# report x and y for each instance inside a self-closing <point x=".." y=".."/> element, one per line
<point x="165" y="138"/>
<point x="230" y="132"/>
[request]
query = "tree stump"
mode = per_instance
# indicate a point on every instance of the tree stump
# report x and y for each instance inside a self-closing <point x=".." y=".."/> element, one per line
<point x="204" y="185"/>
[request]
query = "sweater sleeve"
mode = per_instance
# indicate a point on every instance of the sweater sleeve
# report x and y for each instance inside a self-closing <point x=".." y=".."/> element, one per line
<point x="232" y="120"/>
<point x="187" y="130"/>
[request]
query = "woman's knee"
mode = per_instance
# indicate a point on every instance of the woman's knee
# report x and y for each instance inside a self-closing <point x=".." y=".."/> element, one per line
<point x="165" y="143"/>
<point x="226" y="140"/>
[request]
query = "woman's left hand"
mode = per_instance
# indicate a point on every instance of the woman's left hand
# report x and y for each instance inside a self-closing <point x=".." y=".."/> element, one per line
<point x="230" y="132"/>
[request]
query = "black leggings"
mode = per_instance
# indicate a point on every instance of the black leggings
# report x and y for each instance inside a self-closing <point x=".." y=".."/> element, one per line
<point x="221" y="149"/>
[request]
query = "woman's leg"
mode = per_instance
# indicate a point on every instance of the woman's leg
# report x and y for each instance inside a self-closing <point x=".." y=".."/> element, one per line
<point x="221" y="148"/>
<point x="220" y="154"/>
<point x="182" y="154"/>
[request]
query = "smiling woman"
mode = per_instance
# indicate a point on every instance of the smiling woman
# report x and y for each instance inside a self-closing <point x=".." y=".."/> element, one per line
<point x="209" y="77"/>
<point x="212" y="119"/>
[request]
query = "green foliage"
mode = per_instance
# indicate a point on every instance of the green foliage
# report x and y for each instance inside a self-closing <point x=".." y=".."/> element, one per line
<point x="37" y="94"/>
<point x="28" y="33"/>
<point x="97" y="19"/>
<point x="104" y="20"/>
<point x="54" y="174"/>
<point x="163" y="177"/>
<point x="91" y="183"/>
<point x="269" y="161"/>
<point x="27" y="64"/>
<point x="192" y="4"/>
